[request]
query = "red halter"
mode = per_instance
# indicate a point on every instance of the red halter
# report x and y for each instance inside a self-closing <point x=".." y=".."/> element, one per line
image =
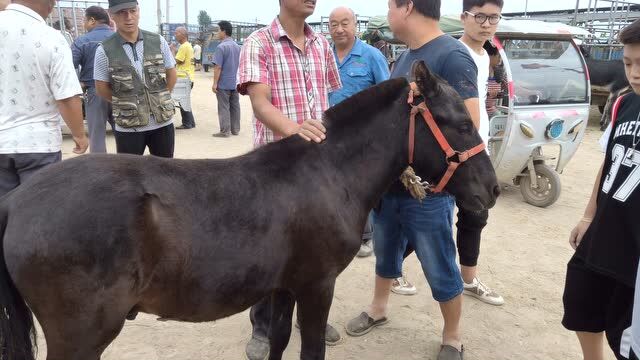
<point x="444" y="144"/>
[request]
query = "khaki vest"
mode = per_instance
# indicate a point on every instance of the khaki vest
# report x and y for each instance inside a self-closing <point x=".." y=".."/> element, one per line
<point x="134" y="100"/>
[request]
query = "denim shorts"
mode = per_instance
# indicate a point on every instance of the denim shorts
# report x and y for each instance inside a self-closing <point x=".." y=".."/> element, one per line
<point x="428" y="227"/>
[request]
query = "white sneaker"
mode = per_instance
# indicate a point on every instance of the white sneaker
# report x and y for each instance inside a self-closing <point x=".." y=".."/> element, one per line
<point x="402" y="286"/>
<point x="482" y="292"/>
<point x="365" y="249"/>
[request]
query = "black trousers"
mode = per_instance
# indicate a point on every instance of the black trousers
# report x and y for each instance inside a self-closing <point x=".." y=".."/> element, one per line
<point x="161" y="142"/>
<point x="633" y="356"/>
<point x="470" y="225"/>
<point x="188" y="120"/>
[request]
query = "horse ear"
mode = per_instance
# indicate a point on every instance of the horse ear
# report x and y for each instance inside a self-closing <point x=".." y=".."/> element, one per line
<point x="427" y="83"/>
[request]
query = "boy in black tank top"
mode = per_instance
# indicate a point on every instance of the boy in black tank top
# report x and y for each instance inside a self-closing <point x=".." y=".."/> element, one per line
<point x="599" y="289"/>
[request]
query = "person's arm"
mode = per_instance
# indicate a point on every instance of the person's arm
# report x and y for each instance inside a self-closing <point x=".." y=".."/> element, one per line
<point x="218" y="63"/>
<point x="589" y="213"/>
<point x="181" y="55"/>
<point x="172" y="78"/>
<point x="66" y="92"/>
<point x="76" y="52"/>
<point x="103" y="89"/>
<point x="461" y="73"/>
<point x="169" y="64"/>
<point x="274" y="119"/>
<point x="217" y="71"/>
<point x="380" y="67"/>
<point x="71" y="112"/>
<point x="473" y="107"/>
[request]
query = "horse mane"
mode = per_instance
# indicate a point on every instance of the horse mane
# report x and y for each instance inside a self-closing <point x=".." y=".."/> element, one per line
<point x="365" y="104"/>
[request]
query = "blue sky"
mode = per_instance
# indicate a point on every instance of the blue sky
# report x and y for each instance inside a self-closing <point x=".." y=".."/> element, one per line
<point x="265" y="10"/>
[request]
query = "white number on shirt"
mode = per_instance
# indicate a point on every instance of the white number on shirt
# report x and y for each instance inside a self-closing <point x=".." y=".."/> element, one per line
<point x="630" y="159"/>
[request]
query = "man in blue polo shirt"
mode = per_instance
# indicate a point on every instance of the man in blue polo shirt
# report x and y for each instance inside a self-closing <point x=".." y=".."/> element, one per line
<point x="360" y="66"/>
<point x="98" y="110"/>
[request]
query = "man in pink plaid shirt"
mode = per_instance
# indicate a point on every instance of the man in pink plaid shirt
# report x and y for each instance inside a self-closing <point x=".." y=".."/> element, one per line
<point x="287" y="71"/>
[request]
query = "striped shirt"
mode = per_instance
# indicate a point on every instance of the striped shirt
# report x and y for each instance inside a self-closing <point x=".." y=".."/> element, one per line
<point x="300" y="81"/>
<point x="101" y="72"/>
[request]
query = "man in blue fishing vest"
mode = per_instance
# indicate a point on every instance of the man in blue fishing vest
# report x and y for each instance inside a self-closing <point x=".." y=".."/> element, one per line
<point x="361" y="66"/>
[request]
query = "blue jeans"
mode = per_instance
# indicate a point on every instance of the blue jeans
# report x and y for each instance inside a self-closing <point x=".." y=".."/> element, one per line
<point x="428" y="227"/>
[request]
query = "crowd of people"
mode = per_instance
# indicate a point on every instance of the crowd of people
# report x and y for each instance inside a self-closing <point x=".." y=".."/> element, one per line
<point x="131" y="80"/>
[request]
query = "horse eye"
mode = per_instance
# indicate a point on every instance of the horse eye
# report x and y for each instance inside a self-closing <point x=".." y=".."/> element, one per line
<point x="466" y="128"/>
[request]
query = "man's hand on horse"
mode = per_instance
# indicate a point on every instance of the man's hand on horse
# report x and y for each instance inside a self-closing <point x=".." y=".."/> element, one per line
<point x="82" y="144"/>
<point x="312" y="130"/>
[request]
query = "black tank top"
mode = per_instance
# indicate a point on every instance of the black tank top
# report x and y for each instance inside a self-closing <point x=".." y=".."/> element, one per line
<point x="611" y="244"/>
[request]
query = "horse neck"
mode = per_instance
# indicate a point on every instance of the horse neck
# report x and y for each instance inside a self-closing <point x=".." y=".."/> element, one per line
<point x="370" y="158"/>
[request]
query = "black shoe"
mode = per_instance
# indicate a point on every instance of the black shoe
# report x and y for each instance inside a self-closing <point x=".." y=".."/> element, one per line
<point x="235" y="134"/>
<point x="183" y="127"/>
<point x="221" y="135"/>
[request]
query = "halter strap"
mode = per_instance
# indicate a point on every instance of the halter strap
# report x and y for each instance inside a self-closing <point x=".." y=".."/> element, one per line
<point x="442" y="141"/>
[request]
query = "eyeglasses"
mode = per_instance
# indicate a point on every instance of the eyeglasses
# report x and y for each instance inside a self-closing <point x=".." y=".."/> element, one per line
<point x="482" y="18"/>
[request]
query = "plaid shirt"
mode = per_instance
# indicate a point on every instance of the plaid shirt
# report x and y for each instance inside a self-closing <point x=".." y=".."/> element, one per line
<point x="300" y="82"/>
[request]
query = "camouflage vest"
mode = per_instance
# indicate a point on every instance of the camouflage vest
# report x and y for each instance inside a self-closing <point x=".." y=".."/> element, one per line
<point x="135" y="100"/>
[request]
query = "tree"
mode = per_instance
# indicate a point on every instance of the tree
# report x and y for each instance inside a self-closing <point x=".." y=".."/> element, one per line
<point x="204" y="20"/>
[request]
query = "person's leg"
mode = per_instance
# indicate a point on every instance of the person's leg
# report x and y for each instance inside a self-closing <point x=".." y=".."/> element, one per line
<point x="429" y="227"/>
<point x="619" y="317"/>
<point x="470" y="225"/>
<point x="9" y="178"/>
<point x="130" y="142"/>
<point x="224" y="117"/>
<point x="29" y="164"/>
<point x="592" y="345"/>
<point x="234" y="112"/>
<point x="97" y="117"/>
<point x="586" y="299"/>
<point x="188" y="122"/>
<point x="161" y="141"/>
<point x="366" y="248"/>
<point x="388" y="250"/>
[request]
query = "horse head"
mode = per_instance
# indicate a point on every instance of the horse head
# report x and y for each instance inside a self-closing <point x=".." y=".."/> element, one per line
<point x="473" y="181"/>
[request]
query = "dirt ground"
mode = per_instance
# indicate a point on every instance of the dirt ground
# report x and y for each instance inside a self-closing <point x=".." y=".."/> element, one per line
<point x="524" y="256"/>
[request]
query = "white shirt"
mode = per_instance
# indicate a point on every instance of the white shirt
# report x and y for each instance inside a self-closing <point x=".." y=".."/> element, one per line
<point x="36" y="69"/>
<point x="482" y="63"/>
<point x="197" y="52"/>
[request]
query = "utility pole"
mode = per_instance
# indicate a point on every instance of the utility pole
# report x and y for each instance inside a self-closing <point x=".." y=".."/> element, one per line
<point x="186" y="14"/>
<point x="167" y="17"/>
<point x="159" y="16"/>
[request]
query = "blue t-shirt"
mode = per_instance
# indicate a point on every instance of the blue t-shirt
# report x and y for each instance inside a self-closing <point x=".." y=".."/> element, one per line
<point x="447" y="58"/>
<point x="363" y="67"/>
<point x="227" y="56"/>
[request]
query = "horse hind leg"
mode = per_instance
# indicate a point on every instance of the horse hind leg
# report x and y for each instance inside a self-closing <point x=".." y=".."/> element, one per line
<point x="282" y="305"/>
<point x="80" y="338"/>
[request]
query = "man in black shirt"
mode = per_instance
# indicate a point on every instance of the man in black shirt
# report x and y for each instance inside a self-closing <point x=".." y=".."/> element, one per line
<point x="599" y="289"/>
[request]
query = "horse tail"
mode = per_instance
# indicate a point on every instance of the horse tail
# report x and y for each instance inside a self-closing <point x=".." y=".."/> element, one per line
<point x="17" y="331"/>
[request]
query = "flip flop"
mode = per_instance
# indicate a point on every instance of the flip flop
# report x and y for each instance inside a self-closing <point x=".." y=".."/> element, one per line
<point x="363" y="324"/>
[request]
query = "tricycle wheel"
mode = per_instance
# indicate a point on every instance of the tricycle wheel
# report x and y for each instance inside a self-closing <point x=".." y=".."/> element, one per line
<point x="548" y="190"/>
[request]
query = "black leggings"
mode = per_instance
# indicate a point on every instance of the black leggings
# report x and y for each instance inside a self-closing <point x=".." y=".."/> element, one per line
<point x="160" y="141"/>
<point x="470" y="225"/>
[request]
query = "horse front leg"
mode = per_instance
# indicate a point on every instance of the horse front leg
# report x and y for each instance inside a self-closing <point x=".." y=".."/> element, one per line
<point x="313" y="311"/>
<point x="282" y="304"/>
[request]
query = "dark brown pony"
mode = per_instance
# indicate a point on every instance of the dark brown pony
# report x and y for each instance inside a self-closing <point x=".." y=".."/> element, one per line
<point x="282" y="221"/>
